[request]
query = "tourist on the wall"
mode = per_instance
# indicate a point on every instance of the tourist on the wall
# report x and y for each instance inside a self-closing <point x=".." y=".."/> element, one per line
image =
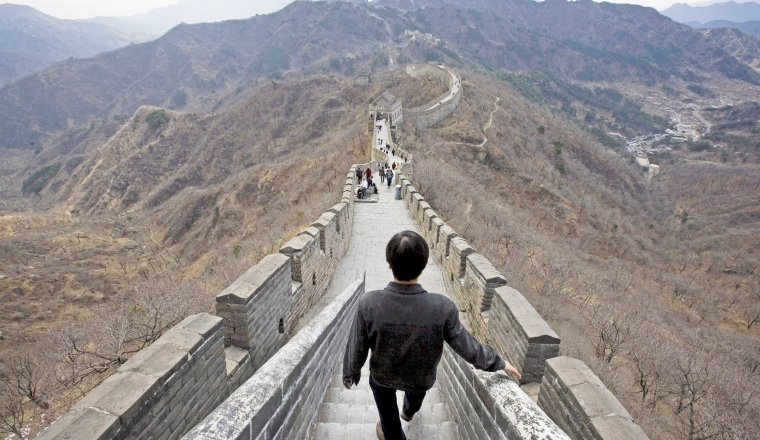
<point x="405" y="327"/>
<point x="368" y="173"/>
<point x="389" y="177"/>
<point x="382" y="175"/>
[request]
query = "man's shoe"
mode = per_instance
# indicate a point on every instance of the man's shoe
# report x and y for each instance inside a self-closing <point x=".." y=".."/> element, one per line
<point x="379" y="430"/>
<point x="406" y="417"/>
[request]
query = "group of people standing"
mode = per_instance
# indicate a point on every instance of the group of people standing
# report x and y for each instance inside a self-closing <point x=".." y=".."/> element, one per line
<point x="365" y="178"/>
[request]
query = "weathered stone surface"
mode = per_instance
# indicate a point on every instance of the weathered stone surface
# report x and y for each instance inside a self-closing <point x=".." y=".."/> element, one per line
<point x="530" y="321"/>
<point x="121" y="394"/>
<point x="311" y="230"/>
<point x="617" y="428"/>
<point x="247" y="286"/>
<point x="159" y="360"/>
<point x="486" y="272"/>
<point x="573" y="395"/>
<point x="203" y="324"/>
<point x="296" y="244"/>
<point x="81" y="424"/>
<point x="572" y="372"/>
<point x="296" y="365"/>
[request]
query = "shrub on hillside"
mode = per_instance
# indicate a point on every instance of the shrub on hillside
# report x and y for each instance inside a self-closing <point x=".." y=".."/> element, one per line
<point x="157" y="118"/>
<point x="179" y="99"/>
<point x="40" y="178"/>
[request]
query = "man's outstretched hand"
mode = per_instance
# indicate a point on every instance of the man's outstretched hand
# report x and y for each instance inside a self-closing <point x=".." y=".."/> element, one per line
<point x="509" y="369"/>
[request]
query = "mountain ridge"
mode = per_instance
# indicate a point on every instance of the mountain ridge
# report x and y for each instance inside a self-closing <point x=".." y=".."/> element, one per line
<point x="31" y="40"/>
<point x="160" y="20"/>
<point x="729" y="11"/>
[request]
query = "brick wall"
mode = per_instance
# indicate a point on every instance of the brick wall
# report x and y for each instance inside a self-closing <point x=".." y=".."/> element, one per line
<point x="490" y="406"/>
<point x="521" y="335"/>
<point x="500" y="316"/>
<point x="420" y="116"/>
<point x="161" y="391"/>
<point x="169" y="386"/>
<point x="580" y="403"/>
<point x="281" y="400"/>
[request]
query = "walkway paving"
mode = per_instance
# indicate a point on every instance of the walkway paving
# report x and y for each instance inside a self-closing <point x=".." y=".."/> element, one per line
<point x="351" y="414"/>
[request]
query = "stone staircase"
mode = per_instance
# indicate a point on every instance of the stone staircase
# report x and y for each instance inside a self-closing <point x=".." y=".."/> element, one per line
<point x="352" y="414"/>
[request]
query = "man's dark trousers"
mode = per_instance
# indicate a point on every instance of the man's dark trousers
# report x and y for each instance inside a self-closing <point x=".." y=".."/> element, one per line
<point x="385" y="398"/>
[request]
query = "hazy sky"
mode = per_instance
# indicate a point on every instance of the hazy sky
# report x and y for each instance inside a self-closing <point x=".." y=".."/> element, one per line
<point x="117" y="8"/>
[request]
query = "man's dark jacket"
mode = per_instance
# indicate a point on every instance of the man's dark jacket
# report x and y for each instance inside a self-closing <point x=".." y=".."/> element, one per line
<point x="405" y="327"/>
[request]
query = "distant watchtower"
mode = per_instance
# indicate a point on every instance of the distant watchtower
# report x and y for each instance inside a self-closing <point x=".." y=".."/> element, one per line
<point x="362" y="79"/>
<point x="387" y="106"/>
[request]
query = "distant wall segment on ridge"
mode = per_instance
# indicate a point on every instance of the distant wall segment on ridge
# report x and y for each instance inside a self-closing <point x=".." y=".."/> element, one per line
<point x="570" y="394"/>
<point x="436" y="110"/>
<point x="430" y="114"/>
<point x="166" y="388"/>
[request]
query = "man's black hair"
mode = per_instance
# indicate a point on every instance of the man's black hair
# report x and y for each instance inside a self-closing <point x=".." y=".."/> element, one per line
<point x="407" y="253"/>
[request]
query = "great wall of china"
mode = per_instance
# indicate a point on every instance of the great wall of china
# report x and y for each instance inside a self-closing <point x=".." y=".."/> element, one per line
<point x="250" y="371"/>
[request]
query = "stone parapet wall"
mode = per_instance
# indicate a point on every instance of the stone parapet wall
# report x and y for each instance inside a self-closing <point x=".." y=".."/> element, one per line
<point x="580" y="403"/>
<point x="490" y="406"/>
<point x="499" y="315"/>
<point x="475" y="286"/>
<point x="254" y="306"/>
<point x="389" y="75"/>
<point x="281" y="400"/>
<point x="424" y="116"/>
<point x="159" y="393"/>
<point x="166" y="388"/>
<point x="526" y="339"/>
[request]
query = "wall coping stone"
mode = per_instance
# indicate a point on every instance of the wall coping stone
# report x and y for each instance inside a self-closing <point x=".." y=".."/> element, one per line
<point x="249" y="284"/>
<point x="572" y="371"/>
<point x="338" y="208"/>
<point x="324" y="220"/>
<point x="462" y="245"/>
<point x="311" y="230"/>
<point x="601" y="410"/>
<point x="121" y="394"/>
<point x="513" y="410"/>
<point x="532" y="324"/>
<point x="438" y="222"/>
<point x="83" y="423"/>
<point x="449" y="232"/>
<point x="296" y="244"/>
<point x="486" y="270"/>
<point x="234" y="357"/>
<point x="204" y="324"/>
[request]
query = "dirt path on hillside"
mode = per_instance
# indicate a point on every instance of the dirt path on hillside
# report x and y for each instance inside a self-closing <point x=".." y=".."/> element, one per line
<point x="485" y="127"/>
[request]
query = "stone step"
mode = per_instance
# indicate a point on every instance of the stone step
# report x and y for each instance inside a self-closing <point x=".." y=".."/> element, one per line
<point x="363" y="395"/>
<point x="366" y="431"/>
<point x="367" y="413"/>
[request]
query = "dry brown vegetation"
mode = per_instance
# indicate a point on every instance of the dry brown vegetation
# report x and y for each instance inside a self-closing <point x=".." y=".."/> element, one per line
<point x="652" y="284"/>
